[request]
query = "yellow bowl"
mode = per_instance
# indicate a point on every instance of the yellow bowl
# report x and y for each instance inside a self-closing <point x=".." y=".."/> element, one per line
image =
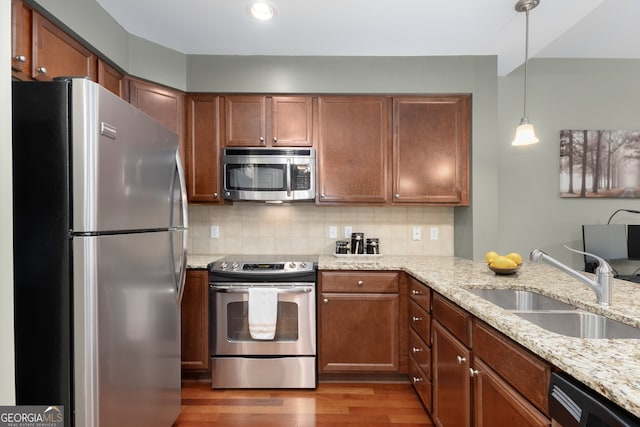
<point x="505" y="271"/>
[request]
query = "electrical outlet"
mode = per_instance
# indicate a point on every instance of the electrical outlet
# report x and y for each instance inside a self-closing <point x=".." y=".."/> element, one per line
<point x="347" y="231"/>
<point x="435" y="233"/>
<point x="416" y="233"/>
<point x="215" y="232"/>
<point x="333" y="232"/>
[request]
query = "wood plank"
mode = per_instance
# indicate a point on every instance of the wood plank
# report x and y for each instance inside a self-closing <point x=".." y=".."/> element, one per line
<point x="329" y="405"/>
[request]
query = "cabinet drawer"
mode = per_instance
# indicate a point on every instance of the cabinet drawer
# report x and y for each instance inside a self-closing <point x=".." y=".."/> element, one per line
<point x="420" y="322"/>
<point x="420" y="293"/>
<point x="373" y="282"/>
<point x="455" y="319"/>
<point x="421" y="383"/>
<point x="522" y="370"/>
<point x="420" y="352"/>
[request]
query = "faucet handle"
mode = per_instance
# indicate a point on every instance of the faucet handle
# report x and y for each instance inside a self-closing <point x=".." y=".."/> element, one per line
<point x="603" y="266"/>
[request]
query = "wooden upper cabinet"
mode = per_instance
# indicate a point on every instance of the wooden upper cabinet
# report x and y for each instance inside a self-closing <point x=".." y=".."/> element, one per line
<point x="163" y="104"/>
<point x="353" y="149"/>
<point x="56" y="53"/>
<point x="112" y="79"/>
<point x="265" y="121"/>
<point x="20" y="39"/>
<point x="292" y="121"/>
<point x="431" y="150"/>
<point x="203" y="148"/>
<point x="246" y="123"/>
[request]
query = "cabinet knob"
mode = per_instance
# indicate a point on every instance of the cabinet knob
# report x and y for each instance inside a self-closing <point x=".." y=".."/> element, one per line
<point x="461" y="360"/>
<point x="20" y="58"/>
<point x="417" y="380"/>
<point x="415" y="292"/>
<point x="397" y="195"/>
<point x="325" y="301"/>
<point x="215" y="195"/>
<point x="262" y="139"/>
<point x="360" y="283"/>
<point x="416" y="350"/>
<point x="275" y="139"/>
<point x="473" y="372"/>
<point x="416" y="319"/>
<point x="42" y="70"/>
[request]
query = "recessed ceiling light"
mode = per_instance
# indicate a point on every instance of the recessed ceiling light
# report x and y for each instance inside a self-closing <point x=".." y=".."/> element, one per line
<point x="262" y="11"/>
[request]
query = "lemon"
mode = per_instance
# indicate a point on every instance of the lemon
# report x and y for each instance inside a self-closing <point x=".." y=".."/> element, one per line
<point x="490" y="256"/>
<point x="503" y="262"/>
<point x="515" y="257"/>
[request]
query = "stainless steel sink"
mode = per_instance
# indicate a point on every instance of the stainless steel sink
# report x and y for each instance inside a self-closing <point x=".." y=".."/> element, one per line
<point x="513" y="299"/>
<point x="580" y="324"/>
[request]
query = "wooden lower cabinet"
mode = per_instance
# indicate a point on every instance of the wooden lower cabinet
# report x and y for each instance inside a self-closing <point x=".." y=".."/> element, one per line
<point x="499" y="404"/>
<point x="195" y="321"/>
<point x="451" y="379"/>
<point x="358" y="325"/>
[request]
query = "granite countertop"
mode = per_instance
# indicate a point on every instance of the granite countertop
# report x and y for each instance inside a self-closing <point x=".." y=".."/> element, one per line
<point x="609" y="366"/>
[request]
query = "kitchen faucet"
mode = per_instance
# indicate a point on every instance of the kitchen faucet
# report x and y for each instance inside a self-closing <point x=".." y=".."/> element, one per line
<point x="602" y="286"/>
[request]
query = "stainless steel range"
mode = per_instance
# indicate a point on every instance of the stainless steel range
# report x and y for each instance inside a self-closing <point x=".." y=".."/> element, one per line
<point x="263" y="321"/>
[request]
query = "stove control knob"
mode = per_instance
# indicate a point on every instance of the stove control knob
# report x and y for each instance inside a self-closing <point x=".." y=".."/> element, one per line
<point x="235" y="266"/>
<point x="292" y="265"/>
<point x="303" y="265"/>
<point x="223" y="265"/>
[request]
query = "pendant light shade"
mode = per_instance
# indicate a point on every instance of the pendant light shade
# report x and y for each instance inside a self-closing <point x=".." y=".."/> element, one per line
<point x="525" y="134"/>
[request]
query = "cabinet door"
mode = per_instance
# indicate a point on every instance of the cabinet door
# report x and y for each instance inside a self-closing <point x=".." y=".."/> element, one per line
<point x="163" y="104"/>
<point x="20" y="39"/>
<point x="498" y="404"/>
<point x="195" y="321"/>
<point x="451" y="379"/>
<point x="353" y="149"/>
<point x="431" y="150"/>
<point x="245" y="124"/>
<point x="292" y="121"/>
<point x="203" y="143"/>
<point x="55" y="53"/>
<point x="358" y="333"/>
<point x="112" y="79"/>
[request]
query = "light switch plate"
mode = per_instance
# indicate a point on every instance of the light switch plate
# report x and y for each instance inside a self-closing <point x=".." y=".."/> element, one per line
<point x="333" y="232"/>
<point x="435" y="233"/>
<point x="215" y="232"/>
<point x="347" y="231"/>
<point x="416" y="233"/>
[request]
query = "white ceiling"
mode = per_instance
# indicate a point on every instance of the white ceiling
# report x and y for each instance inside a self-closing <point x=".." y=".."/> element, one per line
<point x="558" y="28"/>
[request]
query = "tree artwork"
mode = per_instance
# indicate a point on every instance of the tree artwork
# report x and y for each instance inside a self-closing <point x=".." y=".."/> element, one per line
<point x="599" y="163"/>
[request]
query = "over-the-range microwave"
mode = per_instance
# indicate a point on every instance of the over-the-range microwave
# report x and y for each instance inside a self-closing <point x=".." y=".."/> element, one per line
<point x="269" y="174"/>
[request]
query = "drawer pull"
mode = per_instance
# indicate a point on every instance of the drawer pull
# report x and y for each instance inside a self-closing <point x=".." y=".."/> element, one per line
<point x="461" y="360"/>
<point x="417" y="380"/>
<point x="473" y="372"/>
<point x="360" y="283"/>
<point x="415" y="292"/>
<point x="21" y="58"/>
<point x="325" y="301"/>
<point x="42" y="70"/>
<point x="416" y="350"/>
<point x="416" y="319"/>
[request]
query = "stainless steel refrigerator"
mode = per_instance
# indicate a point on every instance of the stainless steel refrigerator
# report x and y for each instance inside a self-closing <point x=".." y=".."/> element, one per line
<point x="100" y="224"/>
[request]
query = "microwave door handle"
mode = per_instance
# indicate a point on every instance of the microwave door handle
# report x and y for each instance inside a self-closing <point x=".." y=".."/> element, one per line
<point x="288" y="177"/>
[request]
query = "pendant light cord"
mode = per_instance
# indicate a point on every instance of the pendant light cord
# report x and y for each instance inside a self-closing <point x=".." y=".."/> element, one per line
<point x="526" y="61"/>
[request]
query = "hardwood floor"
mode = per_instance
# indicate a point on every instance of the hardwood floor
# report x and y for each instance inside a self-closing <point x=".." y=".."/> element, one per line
<point x="355" y="405"/>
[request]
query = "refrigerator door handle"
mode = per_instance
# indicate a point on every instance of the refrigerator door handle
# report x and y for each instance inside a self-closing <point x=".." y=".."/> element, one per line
<point x="182" y="277"/>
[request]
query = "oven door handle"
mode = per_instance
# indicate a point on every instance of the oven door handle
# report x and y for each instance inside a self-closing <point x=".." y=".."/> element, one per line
<point x="234" y="290"/>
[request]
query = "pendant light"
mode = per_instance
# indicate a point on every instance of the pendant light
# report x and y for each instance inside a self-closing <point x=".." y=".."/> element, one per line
<point x="525" y="134"/>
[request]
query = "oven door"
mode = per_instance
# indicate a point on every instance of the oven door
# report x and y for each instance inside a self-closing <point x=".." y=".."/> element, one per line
<point x="295" y="328"/>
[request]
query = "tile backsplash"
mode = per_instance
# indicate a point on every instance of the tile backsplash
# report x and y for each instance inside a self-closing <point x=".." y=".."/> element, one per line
<point x="255" y="228"/>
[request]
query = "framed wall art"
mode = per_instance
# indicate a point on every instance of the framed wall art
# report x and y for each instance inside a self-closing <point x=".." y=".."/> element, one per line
<point x="600" y="163"/>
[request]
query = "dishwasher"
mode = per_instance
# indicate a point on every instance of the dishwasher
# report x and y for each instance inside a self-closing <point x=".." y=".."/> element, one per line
<point x="572" y="404"/>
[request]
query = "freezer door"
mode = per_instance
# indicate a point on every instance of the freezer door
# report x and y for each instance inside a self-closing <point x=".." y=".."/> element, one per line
<point x="123" y="164"/>
<point x="126" y="331"/>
